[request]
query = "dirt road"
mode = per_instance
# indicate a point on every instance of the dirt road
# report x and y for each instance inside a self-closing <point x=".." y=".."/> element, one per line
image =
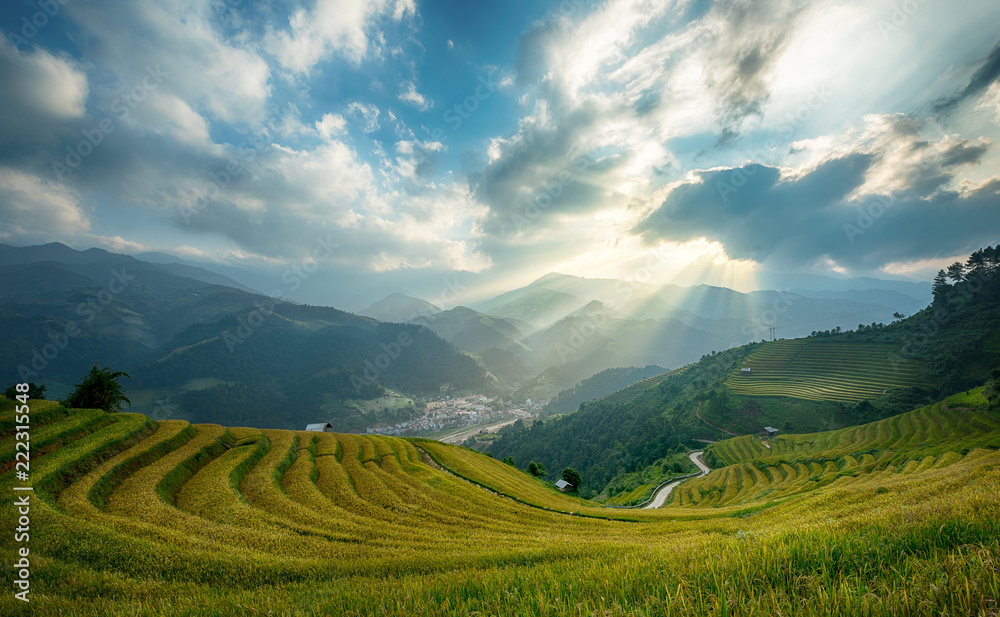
<point x="661" y="496"/>
<point x="461" y="435"/>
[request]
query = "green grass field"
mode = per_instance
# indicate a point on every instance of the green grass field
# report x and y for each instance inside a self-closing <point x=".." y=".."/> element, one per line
<point x="818" y="369"/>
<point x="134" y="517"/>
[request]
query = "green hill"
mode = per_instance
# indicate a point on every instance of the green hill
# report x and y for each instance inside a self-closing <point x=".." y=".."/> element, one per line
<point x="210" y="352"/>
<point x="134" y="517"/>
<point x="932" y="437"/>
<point x="824" y="370"/>
<point x="631" y="391"/>
<point x="611" y="380"/>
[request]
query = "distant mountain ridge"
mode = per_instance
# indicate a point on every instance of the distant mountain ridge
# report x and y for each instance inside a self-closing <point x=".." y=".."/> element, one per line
<point x="206" y="351"/>
<point x="562" y="329"/>
<point x="399" y="308"/>
<point x="83" y="262"/>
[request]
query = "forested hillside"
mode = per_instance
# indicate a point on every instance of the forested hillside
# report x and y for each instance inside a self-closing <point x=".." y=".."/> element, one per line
<point x="605" y="382"/>
<point x="203" y="351"/>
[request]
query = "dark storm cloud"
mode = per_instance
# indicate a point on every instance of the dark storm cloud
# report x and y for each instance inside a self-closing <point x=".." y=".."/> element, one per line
<point x="814" y="217"/>
<point x="752" y="212"/>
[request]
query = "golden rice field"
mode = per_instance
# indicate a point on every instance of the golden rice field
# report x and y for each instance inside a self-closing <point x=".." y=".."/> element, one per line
<point x="818" y="369"/>
<point x="135" y="517"/>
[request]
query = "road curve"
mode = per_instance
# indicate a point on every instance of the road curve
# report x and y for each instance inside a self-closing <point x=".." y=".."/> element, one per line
<point x="661" y="496"/>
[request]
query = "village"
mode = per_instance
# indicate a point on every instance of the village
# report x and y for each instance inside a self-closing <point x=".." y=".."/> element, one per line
<point x="455" y="413"/>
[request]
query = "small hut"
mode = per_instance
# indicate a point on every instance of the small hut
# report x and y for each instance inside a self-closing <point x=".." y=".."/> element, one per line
<point x="768" y="432"/>
<point x="321" y="427"/>
<point x="563" y="485"/>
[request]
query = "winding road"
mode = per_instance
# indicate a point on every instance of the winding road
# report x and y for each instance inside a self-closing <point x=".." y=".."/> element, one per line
<point x="661" y="496"/>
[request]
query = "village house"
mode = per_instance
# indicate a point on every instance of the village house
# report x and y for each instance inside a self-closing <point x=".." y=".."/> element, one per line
<point x="768" y="432"/>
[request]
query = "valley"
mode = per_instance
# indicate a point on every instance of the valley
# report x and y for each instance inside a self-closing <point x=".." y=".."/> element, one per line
<point x="557" y="308"/>
<point x="131" y="516"/>
<point x="876" y="490"/>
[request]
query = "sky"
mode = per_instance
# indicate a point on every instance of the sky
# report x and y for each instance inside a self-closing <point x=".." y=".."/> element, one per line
<point x="415" y="144"/>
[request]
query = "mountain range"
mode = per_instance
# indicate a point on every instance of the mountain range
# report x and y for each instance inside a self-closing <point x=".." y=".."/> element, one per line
<point x="561" y="329"/>
<point x="207" y="347"/>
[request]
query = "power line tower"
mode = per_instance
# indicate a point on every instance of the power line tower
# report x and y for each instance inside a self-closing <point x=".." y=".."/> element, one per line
<point x="772" y="333"/>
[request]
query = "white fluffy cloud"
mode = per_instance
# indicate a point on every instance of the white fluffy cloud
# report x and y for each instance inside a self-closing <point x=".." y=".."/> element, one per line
<point x="223" y="80"/>
<point x="37" y="208"/>
<point x="328" y="28"/>
<point x="408" y="94"/>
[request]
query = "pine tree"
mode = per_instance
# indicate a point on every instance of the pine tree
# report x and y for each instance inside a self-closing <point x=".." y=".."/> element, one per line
<point x="955" y="271"/>
<point x="941" y="286"/>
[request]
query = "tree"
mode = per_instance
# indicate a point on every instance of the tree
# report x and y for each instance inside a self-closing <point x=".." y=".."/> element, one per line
<point x="940" y="287"/>
<point x="955" y="271"/>
<point x="977" y="262"/>
<point x="573" y="477"/>
<point x="898" y="315"/>
<point x="34" y="392"/>
<point x="509" y="461"/>
<point x="99" y="390"/>
<point x="536" y="469"/>
<point x="991" y="255"/>
<point x="992" y="389"/>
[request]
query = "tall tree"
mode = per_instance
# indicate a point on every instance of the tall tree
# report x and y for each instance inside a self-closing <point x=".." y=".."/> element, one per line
<point x="573" y="477"/>
<point x="99" y="390"/>
<point x="976" y="262"/>
<point x="956" y="271"/>
<point x="941" y="286"/>
<point x="991" y="254"/>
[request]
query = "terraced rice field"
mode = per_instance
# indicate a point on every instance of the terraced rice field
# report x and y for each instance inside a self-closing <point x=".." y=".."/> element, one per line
<point x="135" y="517"/>
<point x="629" y="393"/>
<point x="818" y="369"/>
<point x="933" y="437"/>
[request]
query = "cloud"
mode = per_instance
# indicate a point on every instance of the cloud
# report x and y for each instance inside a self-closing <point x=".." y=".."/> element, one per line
<point x="365" y="114"/>
<point x="896" y="196"/>
<point x="329" y="28"/>
<point x="985" y="76"/>
<point x="56" y="86"/>
<point x="224" y="80"/>
<point x="42" y="91"/>
<point x="331" y="125"/>
<point x="32" y="207"/>
<point x="408" y="94"/>
<point x="747" y="42"/>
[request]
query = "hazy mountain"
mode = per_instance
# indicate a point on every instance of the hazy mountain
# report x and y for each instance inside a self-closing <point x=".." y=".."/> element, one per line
<point x="255" y="282"/>
<point x="537" y="305"/>
<point x="94" y="265"/>
<point x="729" y="315"/>
<point x="399" y="308"/>
<point x="471" y="330"/>
<point x="784" y="281"/>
